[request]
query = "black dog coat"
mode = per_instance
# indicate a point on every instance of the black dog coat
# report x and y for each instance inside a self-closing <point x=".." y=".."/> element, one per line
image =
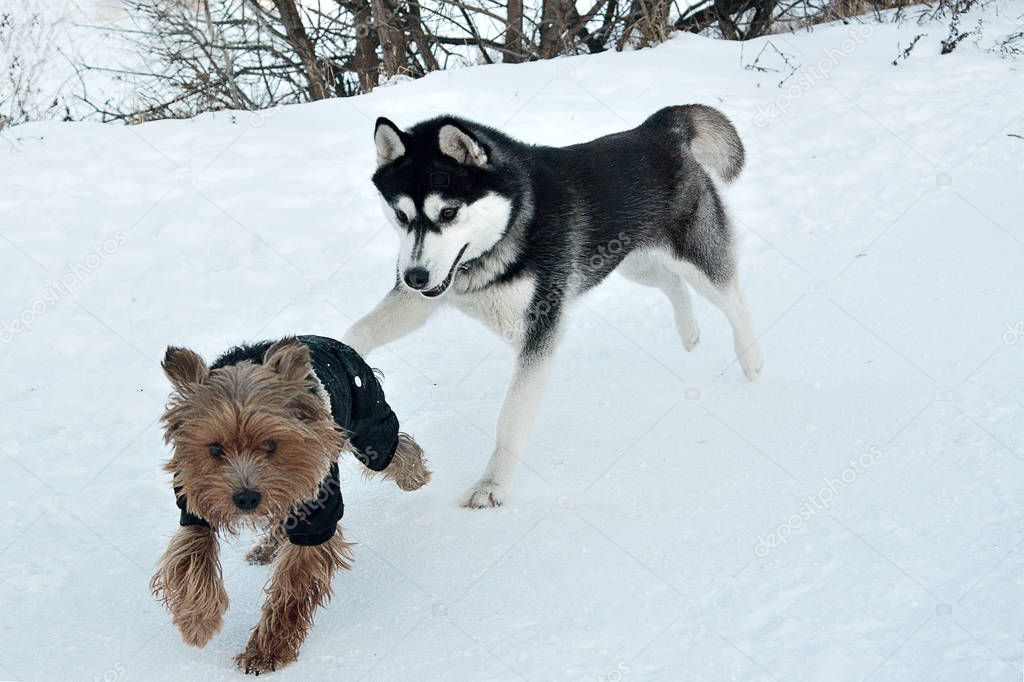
<point x="357" y="405"/>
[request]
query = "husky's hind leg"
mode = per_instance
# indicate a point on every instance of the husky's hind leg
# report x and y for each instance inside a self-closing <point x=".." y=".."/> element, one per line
<point x="701" y="249"/>
<point x="646" y="269"/>
<point x="728" y="297"/>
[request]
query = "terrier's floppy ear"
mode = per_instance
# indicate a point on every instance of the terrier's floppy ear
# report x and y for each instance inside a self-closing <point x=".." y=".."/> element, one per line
<point x="390" y="141"/>
<point x="461" y="146"/>
<point x="289" y="358"/>
<point x="183" y="367"/>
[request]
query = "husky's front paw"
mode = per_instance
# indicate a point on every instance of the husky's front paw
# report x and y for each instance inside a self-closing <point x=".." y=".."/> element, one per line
<point x="486" y="493"/>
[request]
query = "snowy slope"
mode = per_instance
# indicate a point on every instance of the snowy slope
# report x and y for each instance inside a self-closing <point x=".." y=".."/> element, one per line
<point x="880" y="217"/>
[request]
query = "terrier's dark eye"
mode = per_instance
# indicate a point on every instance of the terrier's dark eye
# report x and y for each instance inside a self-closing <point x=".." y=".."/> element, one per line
<point x="402" y="218"/>
<point x="448" y="214"/>
<point x="270" y="446"/>
<point x="216" y="450"/>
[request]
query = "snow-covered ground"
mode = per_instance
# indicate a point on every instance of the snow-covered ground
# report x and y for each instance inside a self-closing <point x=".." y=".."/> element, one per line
<point x="672" y="521"/>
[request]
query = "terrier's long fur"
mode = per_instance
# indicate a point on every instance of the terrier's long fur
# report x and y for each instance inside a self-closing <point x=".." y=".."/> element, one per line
<point x="189" y="584"/>
<point x="264" y="430"/>
<point x="301" y="584"/>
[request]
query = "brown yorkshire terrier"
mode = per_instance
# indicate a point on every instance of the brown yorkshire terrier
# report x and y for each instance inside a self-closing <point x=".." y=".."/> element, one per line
<point x="256" y="438"/>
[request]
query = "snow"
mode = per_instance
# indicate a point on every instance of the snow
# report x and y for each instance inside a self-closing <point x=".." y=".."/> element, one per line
<point x="881" y="452"/>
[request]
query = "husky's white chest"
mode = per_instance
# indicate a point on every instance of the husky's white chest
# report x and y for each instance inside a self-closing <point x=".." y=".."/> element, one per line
<point x="502" y="307"/>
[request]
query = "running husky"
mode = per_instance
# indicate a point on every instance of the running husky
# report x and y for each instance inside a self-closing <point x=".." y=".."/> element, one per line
<point x="513" y="232"/>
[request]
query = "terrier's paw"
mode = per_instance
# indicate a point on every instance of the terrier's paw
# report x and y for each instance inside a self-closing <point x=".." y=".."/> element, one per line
<point x="197" y="629"/>
<point x="486" y="493"/>
<point x="262" y="553"/>
<point x="413" y="480"/>
<point x="254" y="660"/>
<point x="408" y="468"/>
<point x="188" y="582"/>
<point x="752" y="361"/>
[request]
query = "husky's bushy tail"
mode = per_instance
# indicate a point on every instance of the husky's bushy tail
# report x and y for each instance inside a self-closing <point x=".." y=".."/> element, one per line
<point x="712" y="139"/>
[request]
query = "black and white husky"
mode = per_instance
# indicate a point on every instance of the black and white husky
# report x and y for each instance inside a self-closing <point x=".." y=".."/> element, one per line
<point x="511" y="233"/>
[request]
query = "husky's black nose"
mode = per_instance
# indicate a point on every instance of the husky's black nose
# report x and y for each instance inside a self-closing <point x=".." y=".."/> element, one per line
<point x="417" y="278"/>
<point x="246" y="499"/>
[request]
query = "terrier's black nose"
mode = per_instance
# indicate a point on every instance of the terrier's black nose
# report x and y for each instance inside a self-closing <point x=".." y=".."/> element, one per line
<point x="246" y="499"/>
<point x="417" y="278"/>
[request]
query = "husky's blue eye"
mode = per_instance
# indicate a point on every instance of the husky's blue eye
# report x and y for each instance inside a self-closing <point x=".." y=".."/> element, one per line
<point x="401" y="217"/>
<point x="270" y="446"/>
<point x="216" y="450"/>
<point x="448" y="214"/>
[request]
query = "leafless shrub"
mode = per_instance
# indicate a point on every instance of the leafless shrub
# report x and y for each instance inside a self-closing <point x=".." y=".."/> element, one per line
<point x="224" y="54"/>
<point x="206" y="55"/>
<point x="26" y="50"/>
<point x="1011" y="46"/>
<point x="956" y="10"/>
<point x="905" y="52"/>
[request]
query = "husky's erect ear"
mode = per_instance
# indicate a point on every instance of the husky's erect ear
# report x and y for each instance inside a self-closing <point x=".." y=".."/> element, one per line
<point x="289" y="357"/>
<point x="183" y="367"/>
<point x="461" y="146"/>
<point x="390" y="141"/>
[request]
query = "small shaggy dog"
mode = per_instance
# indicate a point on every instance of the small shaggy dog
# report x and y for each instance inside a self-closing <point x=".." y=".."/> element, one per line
<point x="256" y="438"/>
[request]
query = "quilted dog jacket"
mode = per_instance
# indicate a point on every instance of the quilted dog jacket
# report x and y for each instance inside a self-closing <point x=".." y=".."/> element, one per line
<point x="357" y="405"/>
